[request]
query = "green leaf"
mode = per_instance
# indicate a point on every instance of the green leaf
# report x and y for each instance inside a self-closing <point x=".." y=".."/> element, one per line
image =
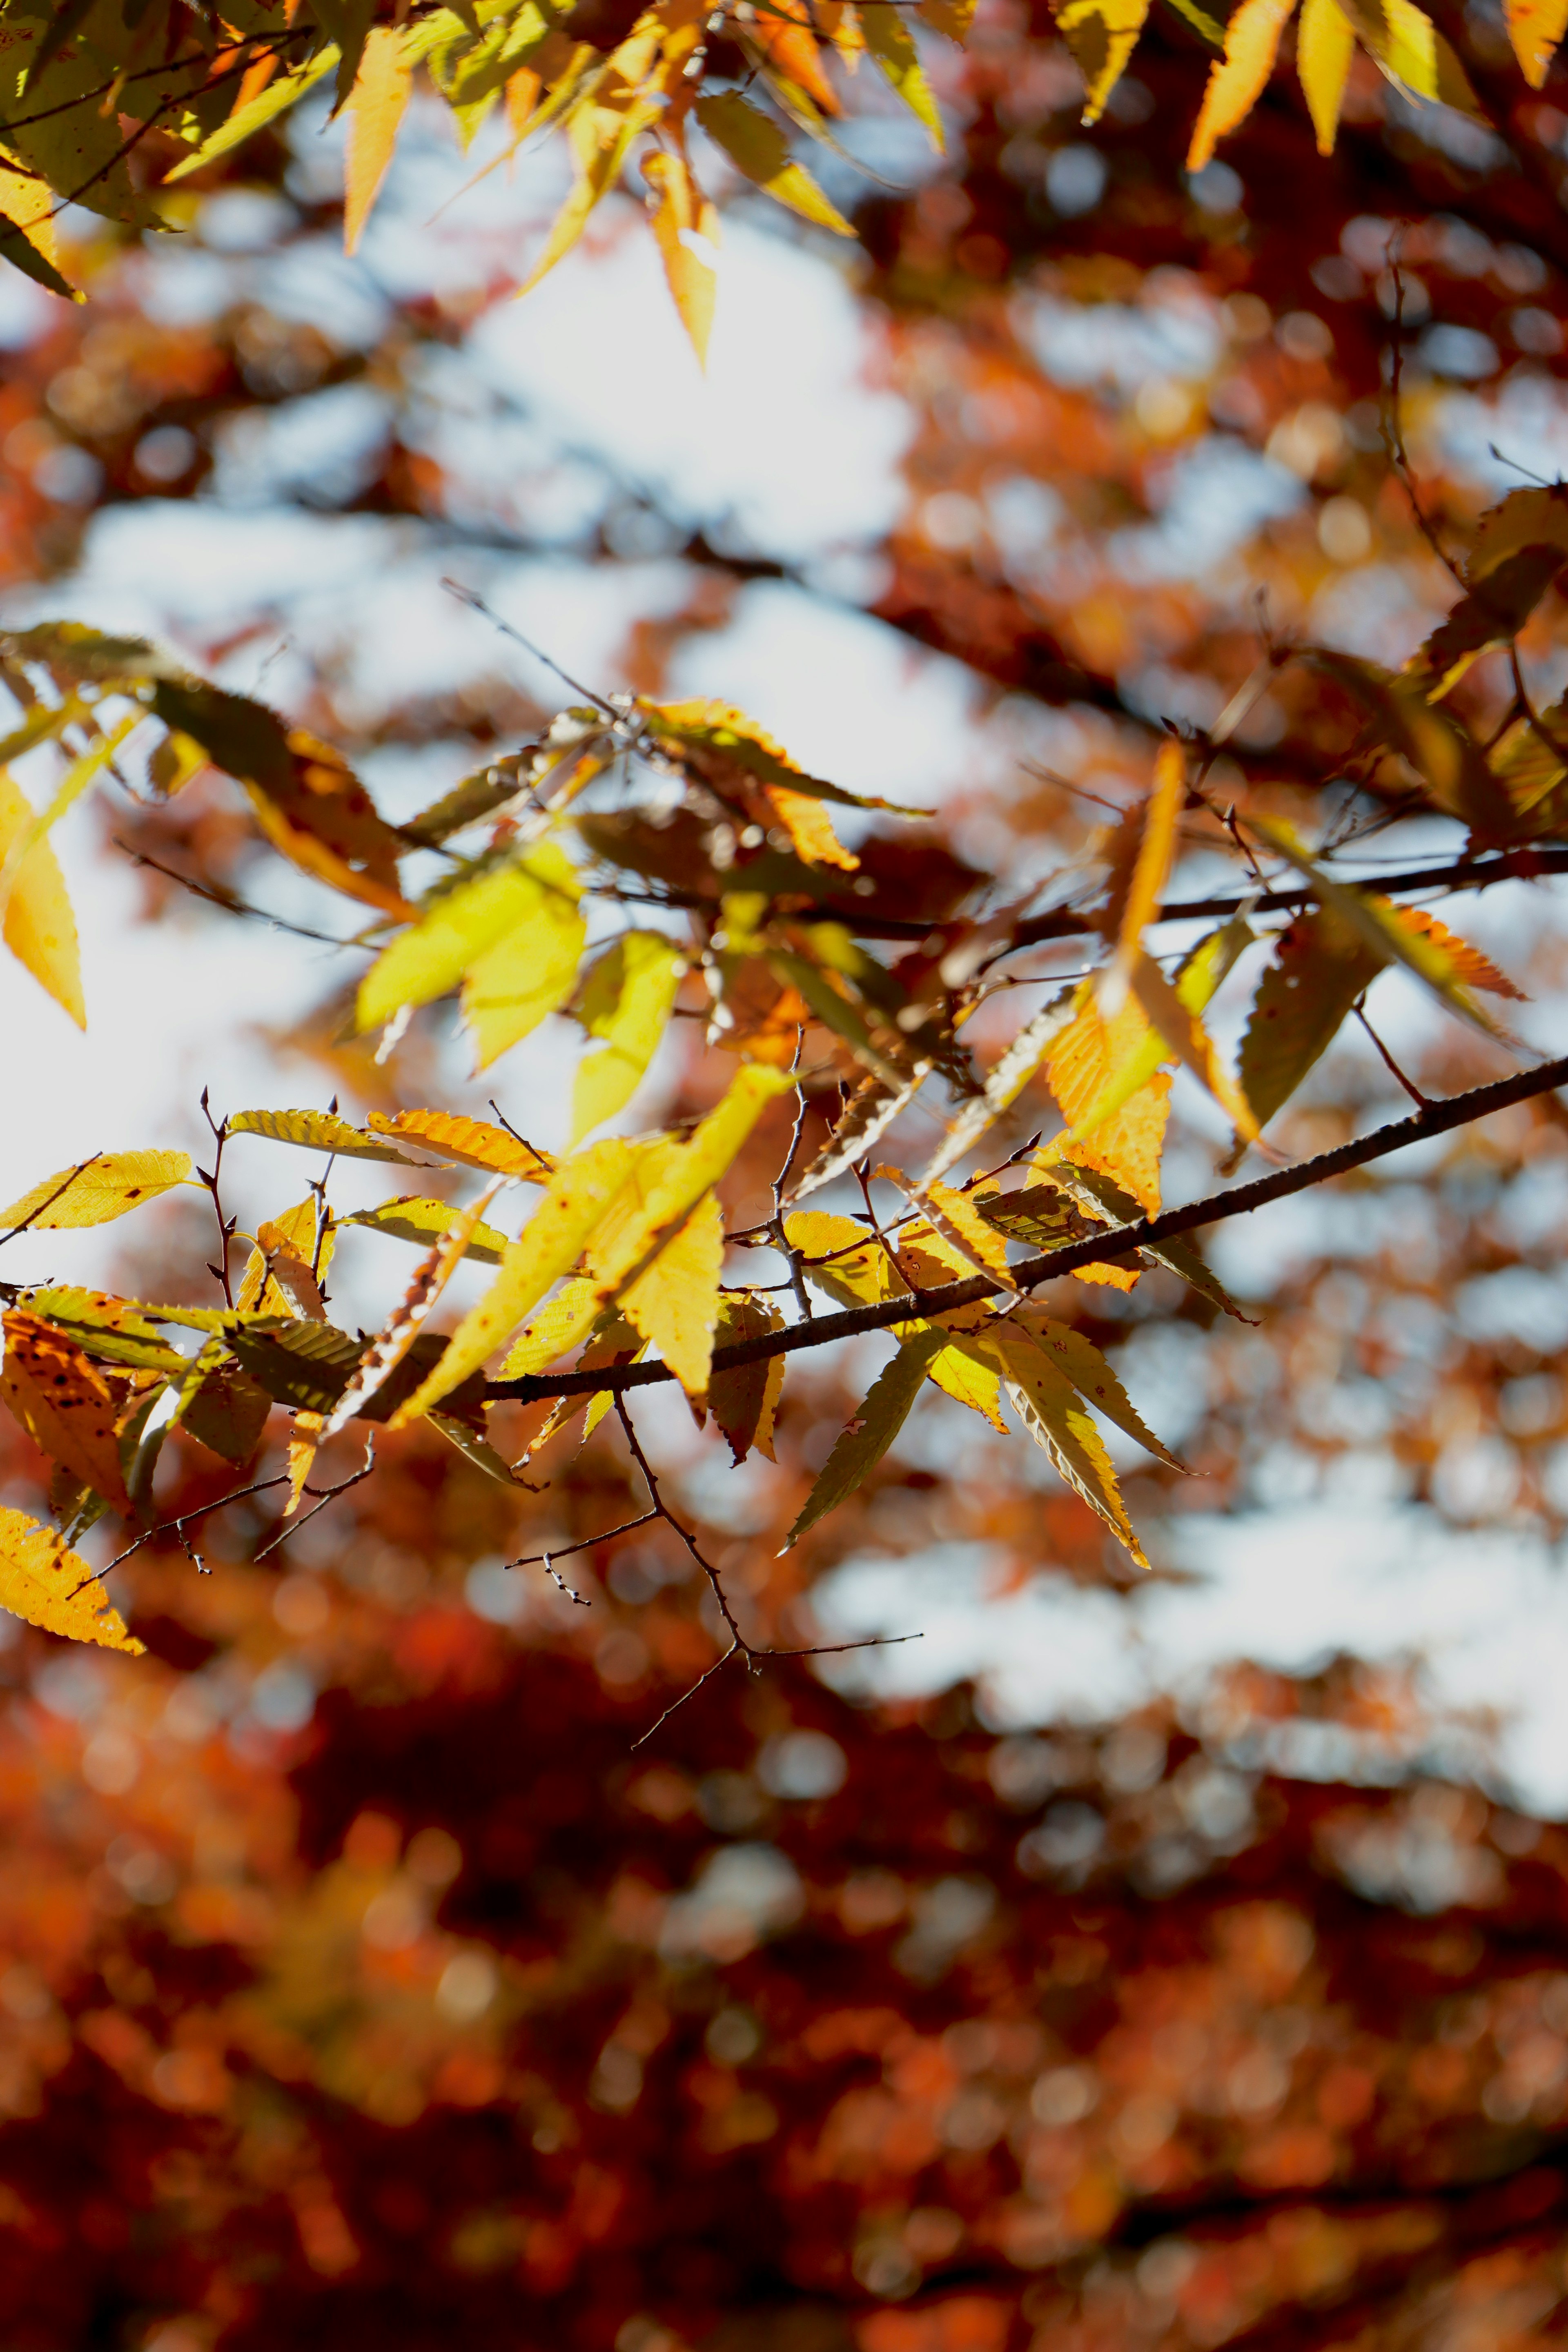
<point x="317" y="1131"/>
<point x="110" y="1330"/>
<point x="469" y="802"/>
<point x="304" y="1365"/>
<point x="627" y="1000"/>
<point x="425" y="1222"/>
<point x="892" y="44"/>
<point x="867" y="1436"/>
<point x="760" y="152"/>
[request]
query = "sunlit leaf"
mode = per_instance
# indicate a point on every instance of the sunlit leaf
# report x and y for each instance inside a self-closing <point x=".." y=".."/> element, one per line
<point x="1535" y="28"/>
<point x="1236" y="81"/>
<point x="316" y="1130"/>
<point x="1151" y="871"/>
<point x="867" y="1437"/>
<point x="44" y="1581"/>
<point x="376" y="104"/>
<point x="1057" y="1419"/>
<point x="760" y="152"/>
<point x="890" y="42"/>
<point x="423" y="1221"/>
<point x="580" y="1192"/>
<point x="625" y="1002"/>
<point x="64" y="1404"/>
<point x="394" y="1341"/>
<point x="286" y="91"/>
<point x="472" y="1142"/>
<point x="1320" y="967"/>
<point x="97" y="1191"/>
<point x="40" y="929"/>
<point x="675" y="1305"/>
<point x="1093" y="1378"/>
<point x="536" y="897"/>
<point x="1102" y="36"/>
<point x="743" y="1400"/>
<point x="685" y="230"/>
<point x="1325" y="44"/>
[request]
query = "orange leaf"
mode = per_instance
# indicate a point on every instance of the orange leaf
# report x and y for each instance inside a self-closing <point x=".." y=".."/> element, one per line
<point x="1535" y="28"/>
<point x="682" y="213"/>
<point x="810" y="828"/>
<point x="1470" y="966"/>
<point x="64" y="1404"/>
<point x="782" y="30"/>
<point x="376" y="103"/>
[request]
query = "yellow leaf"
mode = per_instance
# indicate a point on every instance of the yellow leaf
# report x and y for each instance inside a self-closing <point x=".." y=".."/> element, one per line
<point x="423" y="1222"/>
<point x="315" y="1130"/>
<point x="1324" y="47"/>
<point x="301" y="1454"/>
<point x="968" y="1381"/>
<point x="601" y="129"/>
<point x="810" y="829"/>
<point x="493" y="930"/>
<point x="1080" y="1067"/>
<point x="81" y="772"/>
<point x="246" y="119"/>
<point x="890" y="42"/>
<point x="744" y="1400"/>
<point x="1407" y="46"/>
<point x="626" y="1001"/>
<point x="1535" y="28"/>
<point x="393" y="1342"/>
<point x="877" y="1422"/>
<point x="29" y="205"/>
<point x="760" y="153"/>
<point x="683" y="223"/>
<point x="1102" y="36"/>
<point x="1093" y="1378"/>
<point x="472" y="1142"/>
<point x="43" y="1581"/>
<point x="97" y="1191"/>
<point x="1151" y="871"/>
<point x="854" y="1269"/>
<point x="376" y="104"/>
<point x="295" y="1231"/>
<point x="1187" y="1036"/>
<point x="40" y="929"/>
<point x="575" y="1200"/>
<point x="955" y="1215"/>
<point x="1059" y="1421"/>
<point x="567" y="1317"/>
<point x="1236" y="80"/>
<point x="675" y="1305"/>
<point x="679" y="1175"/>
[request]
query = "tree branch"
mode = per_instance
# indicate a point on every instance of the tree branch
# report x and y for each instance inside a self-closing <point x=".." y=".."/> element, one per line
<point x="1106" y="1242"/>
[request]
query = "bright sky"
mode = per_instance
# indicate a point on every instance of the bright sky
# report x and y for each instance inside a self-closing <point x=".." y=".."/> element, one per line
<point x="790" y="441"/>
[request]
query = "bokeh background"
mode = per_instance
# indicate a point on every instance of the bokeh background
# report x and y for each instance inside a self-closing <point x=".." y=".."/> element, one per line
<point x="1171" y="1965"/>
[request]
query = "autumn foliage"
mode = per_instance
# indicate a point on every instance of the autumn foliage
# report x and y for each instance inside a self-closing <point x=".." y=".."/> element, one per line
<point x="464" y="1873"/>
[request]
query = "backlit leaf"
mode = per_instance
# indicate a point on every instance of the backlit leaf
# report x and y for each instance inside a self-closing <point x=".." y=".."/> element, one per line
<point x="461" y="928"/>
<point x="83" y="771"/>
<point x="1432" y="740"/>
<point x="870" y="1110"/>
<point x="1410" y="49"/>
<point x="532" y="969"/>
<point x="625" y="1002"/>
<point x="1236" y="81"/>
<point x="472" y="1142"/>
<point x="377" y="105"/>
<point x="423" y="1221"/>
<point x="760" y="152"/>
<point x="1102" y="36"/>
<point x="1325" y="44"/>
<point x="744" y="1400"/>
<point x="40" y="929"/>
<point x="1057" y="1419"/>
<point x="1151" y="871"/>
<point x="890" y="42"/>
<point x="580" y="1192"/>
<point x="97" y="1191"/>
<point x="1378" y="923"/>
<point x="1093" y="1378"/>
<point x="223" y="1408"/>
<point x="684" y="223"/>
<point x="1321" y="966"/>
<point x="1008" y="1077"/>
<point x="44" y="1581"/>
<point x="675" y="1305"/>
<point x="1535" y="28"/>
<point x="286" y="91"/>
<point x="1492" y="613"/>
<point x="867" y="1436"/>
<point x="393" y="1341"/>
<point x="64" y="1404"/>
<point x="316" y="1130"/>
<point x="1186" y="1034"/>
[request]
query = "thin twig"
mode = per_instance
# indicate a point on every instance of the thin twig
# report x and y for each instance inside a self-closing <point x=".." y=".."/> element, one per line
<point x="588" y="1543"/>
<point x="176" y="1526"/>
<point x="1104" y="1243"/>
<point x="477" y="603"/>
<point x="790" y="1254"/>
<point x="1394" y="428"/>
<point x="226" y="1226"/>
<point x="1389" y="1064"/>
<point x="327" y="1493"/>
<point x="232" y="904"/>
